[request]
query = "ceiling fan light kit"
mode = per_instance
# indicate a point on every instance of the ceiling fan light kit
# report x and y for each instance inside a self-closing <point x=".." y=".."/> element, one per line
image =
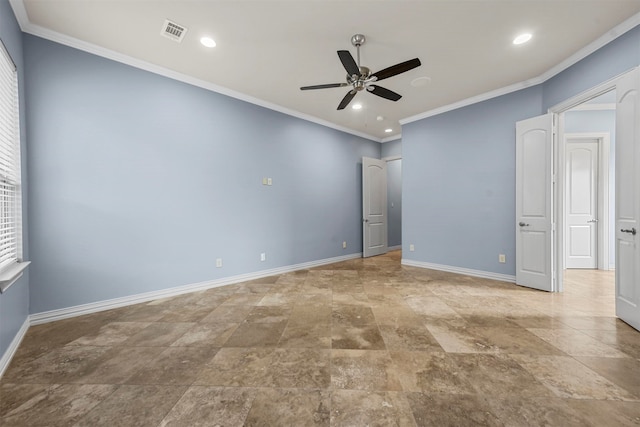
<point x="361" y="78"/>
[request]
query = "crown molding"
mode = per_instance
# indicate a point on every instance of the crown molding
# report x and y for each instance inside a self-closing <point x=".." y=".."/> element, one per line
<point x="601" y="41"/>
<point x="36" y="30"/>
<point x="27" y="27"/>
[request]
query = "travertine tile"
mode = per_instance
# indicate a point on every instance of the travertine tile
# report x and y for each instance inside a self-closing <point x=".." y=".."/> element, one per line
<point x="111" y="334"/>
<point x="366" y="337"/>
<point x="576" y="343"/>
<point x="133" y="405"/>
<point x="451" y="410"/>
<point x="289" y="407"/>
<point x="568" y="378"/>
<point x="206" y="335"/>
<point x="370" y="408"/>
<point x="363" y="370"/>
<point x="430" y="372"/>
<point x="361" y="342"/>
<point x="57" y="405"/>
<point x="211" y="406"/>
<point x="158" y="334"/>
<point x="174" y="366"/>
<point x="256" y="335"/>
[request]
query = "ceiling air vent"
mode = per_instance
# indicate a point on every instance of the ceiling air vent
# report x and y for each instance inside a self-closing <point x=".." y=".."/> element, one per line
<point x="173" y="31"/>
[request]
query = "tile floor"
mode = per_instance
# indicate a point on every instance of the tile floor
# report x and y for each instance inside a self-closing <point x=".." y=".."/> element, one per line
<point x="361" y="343"/>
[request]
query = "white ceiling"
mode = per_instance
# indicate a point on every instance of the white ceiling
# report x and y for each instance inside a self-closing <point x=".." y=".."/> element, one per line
<point x="267" y="49"/>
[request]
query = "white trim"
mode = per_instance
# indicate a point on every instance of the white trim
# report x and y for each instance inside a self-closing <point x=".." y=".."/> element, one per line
<point x="391" y="138"/>
<point x="392" y="158"/>
<point x="23" y="20"/>
<point x="459" y="270"/>
<point x="394" y="248"/>
<point x="79" y="310"/>
<point x="473" y="100"/>
<point x="45" y="33"/>
<point x="11" y="274"/>
<point x="604" y="147"/>
<point x="13" y="347"/>
<point x="594" y="107"/>
<point x="606" y="38"/>
<point x="561" y="107"/>
<point x="584" y="96"/>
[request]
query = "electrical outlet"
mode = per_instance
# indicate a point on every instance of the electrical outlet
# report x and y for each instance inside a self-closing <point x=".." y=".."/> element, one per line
<point x="412" y="248"/>
<point x="263" y="256"/>
<point x="344" y="245"/>
<point x="269" y="181"/>
<point x="219" y="262"/>
<point x="502" y="258"/>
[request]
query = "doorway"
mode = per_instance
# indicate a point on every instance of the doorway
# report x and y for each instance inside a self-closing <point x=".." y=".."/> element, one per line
<point x="587" y="141"/>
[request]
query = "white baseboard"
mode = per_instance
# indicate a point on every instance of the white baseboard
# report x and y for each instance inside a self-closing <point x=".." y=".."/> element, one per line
<point x="460" y="270"/>
<point x="79" y="310"/>
<point x="11" y="351"/>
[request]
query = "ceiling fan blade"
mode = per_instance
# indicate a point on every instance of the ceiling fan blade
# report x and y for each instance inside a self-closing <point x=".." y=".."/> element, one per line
<point x="347" y="99"/>
<point x="397" y="69"/>
<point x="324" y="86"/>
<point x="384" y="93"/>
<point x="349" y="63"/>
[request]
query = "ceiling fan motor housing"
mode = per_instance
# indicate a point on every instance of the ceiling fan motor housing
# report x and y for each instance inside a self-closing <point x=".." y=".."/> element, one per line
<point x="361" y="78"/>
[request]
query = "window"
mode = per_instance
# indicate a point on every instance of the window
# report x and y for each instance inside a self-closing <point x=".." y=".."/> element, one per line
<point x="10" y="186"/>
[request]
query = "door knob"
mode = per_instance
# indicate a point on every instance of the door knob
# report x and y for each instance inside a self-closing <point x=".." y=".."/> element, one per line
<point x="632" y="231"/>
<point x="522" y="224"/>
<point x="365" y="220"/>
<point x="593" y="220"/>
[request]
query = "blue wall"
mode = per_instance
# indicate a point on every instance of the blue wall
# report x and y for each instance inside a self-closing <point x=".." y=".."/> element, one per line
<point x="603" y="121"/>
<point x="617" y="57"/>
<point x="14" y="304"/>
<point x="139" y="182"/>
<point x="459" y="167"/>
<point x="458" y="183"/>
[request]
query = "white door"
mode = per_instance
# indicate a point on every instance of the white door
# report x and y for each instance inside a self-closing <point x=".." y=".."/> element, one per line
<point x="627" y="198"/>
<point x="581" y="203"/>
<point x="374" y="207"/>
<point x="534" y="196"/>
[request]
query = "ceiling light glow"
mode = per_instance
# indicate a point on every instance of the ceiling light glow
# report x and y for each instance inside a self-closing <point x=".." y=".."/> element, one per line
<point x="356" y="106"/>
<point x="522" y="38"/>
<point x="388" y="130"/>
<point x="421" y="81"/>
<point x="208" y="42"/>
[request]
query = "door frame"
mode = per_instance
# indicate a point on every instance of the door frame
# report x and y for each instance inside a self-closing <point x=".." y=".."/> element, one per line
<point x="559" y="159"/>
<point x="604" y="146"/>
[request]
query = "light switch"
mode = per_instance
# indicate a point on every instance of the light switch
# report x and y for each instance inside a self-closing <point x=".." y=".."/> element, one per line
<point x="269" y="181"/>
<point x="264" y="181"/>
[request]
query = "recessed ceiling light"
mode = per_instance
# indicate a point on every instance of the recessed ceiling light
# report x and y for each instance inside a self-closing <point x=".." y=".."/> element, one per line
<point x="208" y="42"/>
<point x="356" y="106"/>
<point x="388" y="130"/>
<point x="522" y="38"/>
<point x="380" y="118"/>
<point x="421" y="81"/>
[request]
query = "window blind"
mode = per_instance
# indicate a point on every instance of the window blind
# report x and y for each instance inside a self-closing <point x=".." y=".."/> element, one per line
<point x="10" y="187"/>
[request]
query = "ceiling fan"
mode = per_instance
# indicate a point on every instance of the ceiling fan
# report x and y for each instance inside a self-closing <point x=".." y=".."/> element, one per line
<point x="362" y="78"/>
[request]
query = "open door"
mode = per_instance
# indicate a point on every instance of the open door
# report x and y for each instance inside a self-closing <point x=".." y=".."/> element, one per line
<point x="534" y="203"/>
<point x="374" y="207"/>
<point x="628" y="199"/>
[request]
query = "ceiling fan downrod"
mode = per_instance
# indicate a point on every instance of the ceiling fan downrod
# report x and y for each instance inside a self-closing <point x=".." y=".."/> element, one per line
<point x="358" y="40"/>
